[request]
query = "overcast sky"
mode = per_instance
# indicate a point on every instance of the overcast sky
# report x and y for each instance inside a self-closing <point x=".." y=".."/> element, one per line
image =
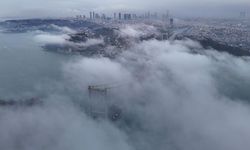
<point x="52" y="8"/>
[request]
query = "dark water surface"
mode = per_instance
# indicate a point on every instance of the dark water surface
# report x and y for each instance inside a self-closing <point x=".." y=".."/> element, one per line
<point x="25" y="66"/>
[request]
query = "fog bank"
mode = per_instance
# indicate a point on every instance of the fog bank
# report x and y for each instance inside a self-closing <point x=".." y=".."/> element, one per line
<point x="174" y="95"/>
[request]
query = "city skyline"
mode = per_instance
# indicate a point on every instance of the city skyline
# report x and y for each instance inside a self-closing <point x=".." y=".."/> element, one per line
<point x="180" y="8"/>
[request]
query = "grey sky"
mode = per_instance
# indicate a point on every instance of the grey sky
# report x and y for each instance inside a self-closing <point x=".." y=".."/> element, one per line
<point x="51" y="8"/>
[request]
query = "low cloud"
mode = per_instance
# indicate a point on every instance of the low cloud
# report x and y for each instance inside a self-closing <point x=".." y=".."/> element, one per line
<point x="173" y="95"/>
<point x="52" y="39"/>
<point x="63" y="29"/>
<point x="137" y="30"/>
<point x="59" y="126"/>
<point x="64" y="39"/>
<point x="90" y="42"/>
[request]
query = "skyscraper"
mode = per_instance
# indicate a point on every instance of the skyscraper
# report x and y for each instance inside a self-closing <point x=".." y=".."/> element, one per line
<point x="120" y="16"/>
<point x="243" y="14"/>
<point x="94" y="15"/>
<point x="171" y="22"/>
<point x="125" y="16"/>
<point x="90" y="15"/>
<point x="103" y="16"/>
<point x="129" y="16"/>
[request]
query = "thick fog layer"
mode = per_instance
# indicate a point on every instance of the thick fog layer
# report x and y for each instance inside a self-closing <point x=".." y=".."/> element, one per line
<point x="174" y="98"/>
<point x="174" y="95"/>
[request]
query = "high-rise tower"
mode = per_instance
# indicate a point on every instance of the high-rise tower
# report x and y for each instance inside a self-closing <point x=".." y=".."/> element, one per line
<point x="120" y="16"/>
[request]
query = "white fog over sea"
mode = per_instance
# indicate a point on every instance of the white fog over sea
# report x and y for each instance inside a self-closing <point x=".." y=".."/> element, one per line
<point x="172" y="98"/>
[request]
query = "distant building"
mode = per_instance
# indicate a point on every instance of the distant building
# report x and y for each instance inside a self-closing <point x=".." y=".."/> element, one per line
<point x="94" y="15"/>
<point x="120" y="16"/>
<point x="171" y="22"/>
<point x="103" y="16"/>
<point x="243" y="14"/>
<point x="127" y="16"/>
<point x="115" y="16"/>
<point x="155" y="16"/>
<point x="134" y="16"/>
<point x="90" y="15"/>
<point x="166" y="17"/>
<point x="97" y="16"/>
<point x="148" y="15"/>
<point x="80" y="17"/>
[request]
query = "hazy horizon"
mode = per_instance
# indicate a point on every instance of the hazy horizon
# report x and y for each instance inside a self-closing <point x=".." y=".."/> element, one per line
<point x="179" y="8"/>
